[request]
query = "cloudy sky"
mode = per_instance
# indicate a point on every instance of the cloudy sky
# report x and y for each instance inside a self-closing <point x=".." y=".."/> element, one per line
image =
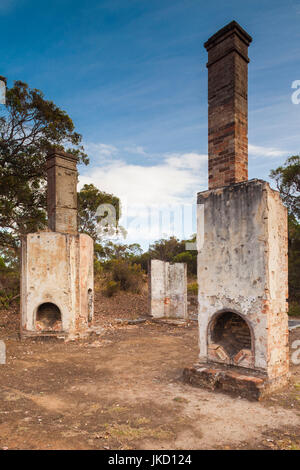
<point x="132" y="75"/>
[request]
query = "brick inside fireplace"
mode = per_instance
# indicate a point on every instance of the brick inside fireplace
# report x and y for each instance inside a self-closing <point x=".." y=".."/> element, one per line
<point x="48" y="317"/>
<point x="230" y="340"/>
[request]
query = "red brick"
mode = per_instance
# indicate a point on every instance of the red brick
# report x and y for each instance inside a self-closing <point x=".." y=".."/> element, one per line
<point x="228" y="106"/>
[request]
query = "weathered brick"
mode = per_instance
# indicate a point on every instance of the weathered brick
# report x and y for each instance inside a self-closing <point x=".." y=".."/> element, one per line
<point x="62" y="192"/>
<point x="228" y="105"/>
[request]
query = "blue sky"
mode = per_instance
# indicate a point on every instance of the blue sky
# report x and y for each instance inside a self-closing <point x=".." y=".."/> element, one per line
<point x="132" y="75"/>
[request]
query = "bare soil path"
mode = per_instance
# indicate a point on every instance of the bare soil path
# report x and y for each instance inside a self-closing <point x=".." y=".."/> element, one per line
<point x="122" y="389"/>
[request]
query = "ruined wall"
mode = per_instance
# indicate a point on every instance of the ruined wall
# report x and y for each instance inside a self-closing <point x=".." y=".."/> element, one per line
<point x="57" y="268"/>
<point x="168" y="289"/>
<point x="86" y="281"/>
<point x="242" y="267"/>
<point x="276" y="304"/>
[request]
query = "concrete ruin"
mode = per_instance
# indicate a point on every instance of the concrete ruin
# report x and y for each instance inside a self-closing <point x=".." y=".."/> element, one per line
<point x="168" y="290"/>
<point x="57" y="285"/>
<point x="242" y="244"/>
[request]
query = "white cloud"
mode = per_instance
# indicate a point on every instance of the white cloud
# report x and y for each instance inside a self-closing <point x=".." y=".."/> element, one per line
<point x="99" y="152"/>
<point x="160" y="192"/>
<point x="189" y="161"/>
<point x="259" y="151"/>
<point x="174" y="180"/>
<point x="154" y="196"/>
<point x="136" y="149"/>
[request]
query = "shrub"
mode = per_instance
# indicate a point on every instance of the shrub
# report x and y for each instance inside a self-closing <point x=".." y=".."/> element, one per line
<point x="192" y="288"/>
<point x="129" y="276"/>
<point x="9" y="285"/>
<point x="294" y="309"/>
<point x="98" y="268"/>
<point x="111" y="288"/>
<point x="189" y="258"/>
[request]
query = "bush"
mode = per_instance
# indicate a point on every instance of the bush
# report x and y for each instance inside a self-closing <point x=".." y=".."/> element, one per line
<point x="189" y="258"/>
<point x="111" y="288"/>
<point x="294" y="309"/>
<point x="98" y="268"/>
<point x="122" y="275"/>
<point x="143" y="260"/>
<point x="192" y="288"/>
<point x="9" y="284"/>
<point x="128" y="276"/>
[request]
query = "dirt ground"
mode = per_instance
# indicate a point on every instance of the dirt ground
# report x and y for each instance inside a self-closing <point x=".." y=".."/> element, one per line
<point x="122" y="389"/>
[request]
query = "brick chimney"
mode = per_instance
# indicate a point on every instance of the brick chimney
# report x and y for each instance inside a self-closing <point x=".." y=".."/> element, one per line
<point x="62" y="192"/>
<point x="228" y="106"/>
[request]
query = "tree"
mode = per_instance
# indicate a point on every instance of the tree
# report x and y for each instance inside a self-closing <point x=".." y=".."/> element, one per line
<point x="287" y="178"/>
<point x="90" y="215"/>
<point x="174" y="250"/>
<point x="98" y="216"/>
<point x="294" y="260"/>
<point x="166" y="249"/>
<point x="30" y="126"/>
<point x="190" y="258"/>
<point x="122" y="251"/>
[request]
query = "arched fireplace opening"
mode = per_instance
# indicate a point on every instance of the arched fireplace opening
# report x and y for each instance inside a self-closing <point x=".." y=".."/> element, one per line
<point x="48" y="317"/>
<point x="230" y="340"/>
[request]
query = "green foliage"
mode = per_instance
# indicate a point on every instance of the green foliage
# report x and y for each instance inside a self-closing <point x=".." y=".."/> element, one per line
<point x="114" y="251"/>
<point x="9" y="282"/>
<point x="294" y="309"/>
<point x="192" y="288"/>
<point x="166" y="249"/>
<point x="143" y="260"/>
<point x="108" y="252"/>
<point x="6" y="297"/>
<point x="126" y="263"/>
<point x="174" y="250"/>
<point x="111" y="288"/>
<point x="30" y="126"/>
<point x="188" y="257"/>
<point x="128" y="276"/>
<point x="93" y="221"/>
<point x="98" y="268"/>
<point x="294" y="259"/>
<point x="287" y="178"/>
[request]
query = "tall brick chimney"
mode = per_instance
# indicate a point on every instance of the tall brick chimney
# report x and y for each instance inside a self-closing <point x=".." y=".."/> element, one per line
<point x="62" y="192"/>
<point x="242" y="262"/>
<point x="228" y="106"/>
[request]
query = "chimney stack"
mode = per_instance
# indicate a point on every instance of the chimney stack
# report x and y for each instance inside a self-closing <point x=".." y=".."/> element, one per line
<point x="228" y="106"/>
<point x="62" y="192"/>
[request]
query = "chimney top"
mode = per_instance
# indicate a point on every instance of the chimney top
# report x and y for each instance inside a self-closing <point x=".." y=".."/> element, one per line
<point x="231" y="28"/>
<point x="61" y="153"/>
